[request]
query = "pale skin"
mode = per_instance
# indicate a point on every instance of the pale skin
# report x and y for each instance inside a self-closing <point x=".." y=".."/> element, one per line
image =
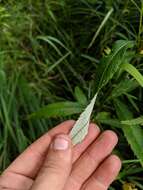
<point x="53" y="163"/>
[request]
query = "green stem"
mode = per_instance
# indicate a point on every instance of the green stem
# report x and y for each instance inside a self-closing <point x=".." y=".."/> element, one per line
<point x="140" y="24"/>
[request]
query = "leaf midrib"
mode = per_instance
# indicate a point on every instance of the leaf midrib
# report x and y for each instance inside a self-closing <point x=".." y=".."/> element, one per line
<point x="110" y="62"/>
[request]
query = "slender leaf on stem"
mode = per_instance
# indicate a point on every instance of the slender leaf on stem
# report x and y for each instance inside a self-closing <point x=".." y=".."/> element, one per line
<point x="133" y="133"/>
<point x="123" y="87"/>
<point x="136" y="121"/>
<point x="57" y="109"/>
<point x="134" y="72"/>
<point x="110" y="64"/>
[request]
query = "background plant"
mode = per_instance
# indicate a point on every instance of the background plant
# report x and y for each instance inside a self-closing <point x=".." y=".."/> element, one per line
<point x="50" y="55"/>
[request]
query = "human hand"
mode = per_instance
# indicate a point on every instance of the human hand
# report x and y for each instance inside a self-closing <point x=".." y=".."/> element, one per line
<point x="45" y="165"/>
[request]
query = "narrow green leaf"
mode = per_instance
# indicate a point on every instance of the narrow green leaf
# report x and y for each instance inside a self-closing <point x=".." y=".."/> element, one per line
<point x="102" y="115"/>
<point x="57" y="109"/>
<point x="133" y="133"/>
<point x="58" y="62"/>
<point x="105" y="118"/>
<point x="51" y="40"/>
<point x="80" y="96"/>
<point x="80" y="129"/>
<point x="136" y="121"/>
<point x="2" y="79"/>
<point x="123" y="87"/>
<point x="110" y="122"/>
<point x="110" y="64"/>
<point x="107" y="16"/>
<point x="134" y="72"/>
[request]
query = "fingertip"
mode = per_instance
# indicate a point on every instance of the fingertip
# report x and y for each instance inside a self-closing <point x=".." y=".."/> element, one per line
<point x="93" y="128"/>
<point x="70" y="121"/>
<point x="107" y="172"/>
<point x="115" y="162"/>
<point x="64" y="136"/>
<point x="57" y="165"/>
<point x="61" y="142"/>
<point x="112" y="165"/>
<point x="111" y="135"/>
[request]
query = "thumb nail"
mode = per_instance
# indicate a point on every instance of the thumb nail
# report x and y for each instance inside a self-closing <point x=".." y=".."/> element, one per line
<point x="61" y="142"/>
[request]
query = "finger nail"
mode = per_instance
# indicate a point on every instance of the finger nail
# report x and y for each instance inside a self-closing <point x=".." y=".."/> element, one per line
<point x="60" y="143"/>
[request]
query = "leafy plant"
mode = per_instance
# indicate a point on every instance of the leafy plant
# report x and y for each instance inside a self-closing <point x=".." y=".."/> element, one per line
<point x="46" y="68"/>
<point x="110" y="64"/>
<point x="133" y="133"/>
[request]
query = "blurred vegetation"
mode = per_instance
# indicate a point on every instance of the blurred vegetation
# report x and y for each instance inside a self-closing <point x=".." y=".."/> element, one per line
<point x="49" y="55"/>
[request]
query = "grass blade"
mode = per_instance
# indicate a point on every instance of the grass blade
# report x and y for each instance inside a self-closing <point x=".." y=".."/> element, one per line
<point x="58" y="62"/>
<point x="100" y="27"/>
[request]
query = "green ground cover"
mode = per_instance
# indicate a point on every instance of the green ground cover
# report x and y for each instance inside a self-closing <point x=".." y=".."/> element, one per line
<point x="52" y="54"/>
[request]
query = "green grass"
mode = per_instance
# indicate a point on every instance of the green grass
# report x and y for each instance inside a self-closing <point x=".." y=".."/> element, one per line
<point x="50" y="52"/>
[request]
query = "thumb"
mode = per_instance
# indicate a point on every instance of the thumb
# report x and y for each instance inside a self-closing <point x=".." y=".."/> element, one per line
<point x="57" y="166"/>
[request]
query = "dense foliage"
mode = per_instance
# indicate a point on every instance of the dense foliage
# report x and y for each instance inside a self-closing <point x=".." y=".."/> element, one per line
<point x="55" y="55"/>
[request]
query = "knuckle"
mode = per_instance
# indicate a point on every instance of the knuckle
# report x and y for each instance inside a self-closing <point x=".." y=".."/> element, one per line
<point x="5" y="188"/>
<point x="55" y="166"/>
<point x="91" y="158"/>
<point x="99" y="184"/>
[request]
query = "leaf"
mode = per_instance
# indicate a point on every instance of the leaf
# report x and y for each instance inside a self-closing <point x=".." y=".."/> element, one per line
<point x="100" y="27"/>
<point x="52" y="41"/>
<point x="110" y="64"/>
<point x="2" y="79"/>
<point x="136" y="121"/>
<point x="58" y="62"/>
<point x="57" y="109"/>
<point x="123" y="87"/>
<point x="103" y="115"/>
<point x="80" y="129"/>
<point x="80" y="96"/>
<point x="105" y="118"/>
<point x="134" y="72"/>
<point x="111" y="122"/>
<point x="133" y="133"/>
